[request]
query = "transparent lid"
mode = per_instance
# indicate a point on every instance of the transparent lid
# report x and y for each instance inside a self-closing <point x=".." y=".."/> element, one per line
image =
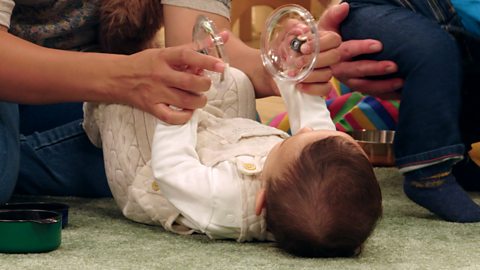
<point x="290" y="43"/>
<point x="207" y="41"/>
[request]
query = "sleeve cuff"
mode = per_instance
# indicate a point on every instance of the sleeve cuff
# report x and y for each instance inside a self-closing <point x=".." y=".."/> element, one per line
<point x="6" y="8"/>
<point x="221" y="8"/>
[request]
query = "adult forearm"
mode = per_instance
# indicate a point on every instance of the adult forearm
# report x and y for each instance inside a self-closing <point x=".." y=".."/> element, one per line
<point x="249" y="61"/>
<point x="149" y="80"/>
<point x="241" y="56"/>
<point x="33" y="74"/>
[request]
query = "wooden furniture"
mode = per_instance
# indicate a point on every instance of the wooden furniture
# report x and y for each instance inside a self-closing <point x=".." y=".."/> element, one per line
<point x="242" y="11"/>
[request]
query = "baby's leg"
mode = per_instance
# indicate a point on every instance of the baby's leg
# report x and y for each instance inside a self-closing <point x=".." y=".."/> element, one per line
<point x="428" y="140"/>
<point x="233" y="98"/>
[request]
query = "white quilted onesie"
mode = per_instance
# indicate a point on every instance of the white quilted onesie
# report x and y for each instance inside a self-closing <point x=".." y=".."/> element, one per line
<point x="184" y="201"/>
<point x="126" y="133"/>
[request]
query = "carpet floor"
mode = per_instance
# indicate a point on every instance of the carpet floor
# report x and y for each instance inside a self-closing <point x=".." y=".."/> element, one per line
<point x="99" y="237"/>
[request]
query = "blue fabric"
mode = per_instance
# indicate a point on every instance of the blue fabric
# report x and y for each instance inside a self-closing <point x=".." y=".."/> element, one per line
<point x="58" y="160"/>
<point x="469" y="12"/>
<point x="438" y="115"/>
<point x="61" y="162"/>
<point x="430" y="61"/>
<point x="444" y="197"/>
<point x="44" y="117"/>
<point x="9" y="149"/>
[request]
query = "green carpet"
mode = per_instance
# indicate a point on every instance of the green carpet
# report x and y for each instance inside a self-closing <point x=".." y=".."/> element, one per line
<point x="98" y="237"/>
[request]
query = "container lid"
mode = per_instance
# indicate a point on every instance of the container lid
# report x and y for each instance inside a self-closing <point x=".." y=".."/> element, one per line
<point x="207" y="40"/>
<point x="290" y="43"/>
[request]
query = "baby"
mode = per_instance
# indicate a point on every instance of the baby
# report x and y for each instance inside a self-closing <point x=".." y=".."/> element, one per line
<point x="215" y="175"/>
<point x="321" y="204"/>
<point x="318" y="188"/>
<point x="218" y="172"/>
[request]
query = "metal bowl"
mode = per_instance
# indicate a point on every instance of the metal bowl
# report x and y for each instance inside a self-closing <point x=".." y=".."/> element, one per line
<point x="29" y="231"/>
<point x="378" y="144"/>
<point x="47" y="206"/>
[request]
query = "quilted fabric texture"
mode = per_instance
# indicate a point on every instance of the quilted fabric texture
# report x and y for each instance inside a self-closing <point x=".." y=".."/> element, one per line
<point x="126" y="134"/>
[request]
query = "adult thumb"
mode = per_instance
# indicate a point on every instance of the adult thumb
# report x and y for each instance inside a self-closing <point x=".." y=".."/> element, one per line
<point x="333" y="17"/>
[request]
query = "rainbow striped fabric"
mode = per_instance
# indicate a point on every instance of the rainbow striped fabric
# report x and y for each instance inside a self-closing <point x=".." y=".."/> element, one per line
<point x="352" y="111"/>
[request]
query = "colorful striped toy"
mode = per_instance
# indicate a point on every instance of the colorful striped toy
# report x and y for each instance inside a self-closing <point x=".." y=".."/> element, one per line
<point x="352" y="111"/>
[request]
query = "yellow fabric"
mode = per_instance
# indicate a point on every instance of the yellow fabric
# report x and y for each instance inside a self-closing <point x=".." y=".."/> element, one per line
<point x="475" y="153"/>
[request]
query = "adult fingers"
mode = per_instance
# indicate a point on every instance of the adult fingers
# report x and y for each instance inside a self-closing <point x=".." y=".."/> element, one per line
<point x="184" y="99"/>
<point x="320" y="75"/>
<point x="170" y="115"/>
<point x="316" y="89"/>
<point x="328" y="40"/>
<point x="184" y="56"/>
<point x="333" y="17"/>
<point x="186" y="81"/>
<point x="379" y="88"/>
<point x="225" y="35"/>
<point x="330" y="55"/>
<point x="352" y="48"/>
<point x="363" y="68"/>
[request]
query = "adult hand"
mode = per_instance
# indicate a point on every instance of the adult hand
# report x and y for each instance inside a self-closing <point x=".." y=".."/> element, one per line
<point x="292" y="50"/>
<point x="354" y="73"/>
<point x="318" y="81"/>
<point x="168" y="77"/>
<point x="150" y="80"/>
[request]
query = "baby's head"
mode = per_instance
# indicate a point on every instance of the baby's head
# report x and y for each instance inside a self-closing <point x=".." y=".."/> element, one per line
<point x="322" y="198"/>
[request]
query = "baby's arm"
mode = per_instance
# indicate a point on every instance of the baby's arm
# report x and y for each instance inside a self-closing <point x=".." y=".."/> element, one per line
<point x="304" y="110"/>
<point x="193" y="188"/>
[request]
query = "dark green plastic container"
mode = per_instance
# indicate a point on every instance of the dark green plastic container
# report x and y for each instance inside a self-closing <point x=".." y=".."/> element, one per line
<point x="29" y="231"/>
<point x="48" y="206"/>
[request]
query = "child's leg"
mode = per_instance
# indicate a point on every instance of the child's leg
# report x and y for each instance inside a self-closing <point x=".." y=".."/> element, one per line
<point x="467" y="172"/>
<point x="9" y="149"/>
<point x="428" y="140"/>
<point x="234" y="98"/>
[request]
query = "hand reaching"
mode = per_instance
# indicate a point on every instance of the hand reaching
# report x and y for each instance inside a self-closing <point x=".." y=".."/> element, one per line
<point x="296" y="49"/>
<point x="354" y="73"/>
<point x="318" y="82"/>
<point x="171" y="76"/>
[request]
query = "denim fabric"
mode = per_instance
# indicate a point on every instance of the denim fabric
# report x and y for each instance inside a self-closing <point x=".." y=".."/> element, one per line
<point x="44" y="117"/>
<point x="59" y="161"/>
<point x="427" y="44"/>
<point x="9" y="149"/>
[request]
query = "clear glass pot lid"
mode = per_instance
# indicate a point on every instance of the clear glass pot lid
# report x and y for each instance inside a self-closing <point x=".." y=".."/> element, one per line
<point x="290" y="43"/>
<point x="207" y="41"/>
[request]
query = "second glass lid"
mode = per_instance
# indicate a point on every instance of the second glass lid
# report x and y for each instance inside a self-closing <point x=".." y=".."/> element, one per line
<point x="290" y="43"/>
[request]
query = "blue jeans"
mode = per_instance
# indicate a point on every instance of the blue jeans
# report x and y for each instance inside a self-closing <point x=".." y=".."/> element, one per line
<point x="57" y="159"/>
<point x="430" y="49"/>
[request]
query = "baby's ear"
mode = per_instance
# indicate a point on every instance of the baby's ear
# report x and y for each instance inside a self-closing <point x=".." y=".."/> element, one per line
<point x="260" y="201"/>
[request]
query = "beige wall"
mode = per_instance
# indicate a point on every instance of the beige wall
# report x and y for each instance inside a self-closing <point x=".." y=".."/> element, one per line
<point x="261" y="12"/>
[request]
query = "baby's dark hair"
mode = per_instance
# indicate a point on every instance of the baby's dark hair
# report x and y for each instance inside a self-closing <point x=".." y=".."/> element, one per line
<point x="327" y="203"/>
